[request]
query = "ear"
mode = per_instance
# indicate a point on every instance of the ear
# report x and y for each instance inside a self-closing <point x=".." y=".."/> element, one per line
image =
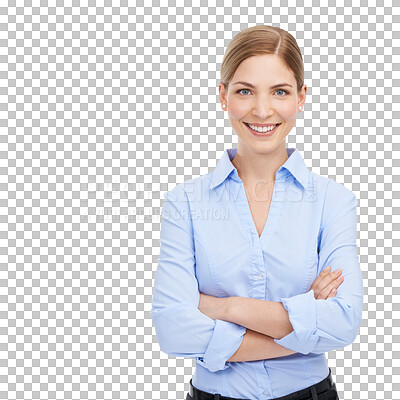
<point x="302" y="95"/>
<point x="222" y="94"/>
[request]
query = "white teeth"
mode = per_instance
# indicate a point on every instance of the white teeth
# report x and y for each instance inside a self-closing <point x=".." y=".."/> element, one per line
<point x="260" y="129"/>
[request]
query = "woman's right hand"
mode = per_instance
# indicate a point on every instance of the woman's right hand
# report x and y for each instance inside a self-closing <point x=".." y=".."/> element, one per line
<point x="326" y="284"/>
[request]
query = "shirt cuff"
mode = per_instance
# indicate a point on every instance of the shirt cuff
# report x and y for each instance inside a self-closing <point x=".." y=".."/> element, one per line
<point x="302" y="310"/>
<point x="226" y="339"/>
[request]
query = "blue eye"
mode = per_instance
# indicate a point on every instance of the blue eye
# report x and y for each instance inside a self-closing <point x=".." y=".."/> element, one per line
<point x="282" y="90"/>
<point x="279" y="90"/>
<point x="241" y="90"/>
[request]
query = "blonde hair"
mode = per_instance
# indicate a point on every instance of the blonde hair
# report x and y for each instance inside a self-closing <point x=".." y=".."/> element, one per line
<point x="258" y="40"/>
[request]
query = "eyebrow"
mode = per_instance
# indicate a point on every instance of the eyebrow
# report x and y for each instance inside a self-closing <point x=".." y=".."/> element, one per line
<point x="253" y="87"/>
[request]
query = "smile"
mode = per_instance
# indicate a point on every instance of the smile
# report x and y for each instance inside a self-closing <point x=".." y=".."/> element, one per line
<point x="262" y="132"/>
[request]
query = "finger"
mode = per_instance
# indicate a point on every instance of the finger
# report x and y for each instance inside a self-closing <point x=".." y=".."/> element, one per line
<point x="322" y="281"/>
<point x="331" y="277"/>
<point x="322" y="275"/>
<point x="332" y="293"/>
<point x="324" y="294"/>
<point x="339" y="281"/>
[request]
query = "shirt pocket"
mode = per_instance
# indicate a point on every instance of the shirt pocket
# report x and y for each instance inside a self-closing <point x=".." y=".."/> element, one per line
<point x="203" y="271"/>
<point x="223" y="267"/>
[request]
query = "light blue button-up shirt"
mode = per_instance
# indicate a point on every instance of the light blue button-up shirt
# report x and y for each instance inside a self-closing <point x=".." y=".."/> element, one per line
<point x="209" y="244"/>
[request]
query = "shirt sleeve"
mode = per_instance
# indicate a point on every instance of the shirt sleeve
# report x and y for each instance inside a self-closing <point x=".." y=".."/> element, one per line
<point x="321" y="325"/>
<point x="182" y="329"/>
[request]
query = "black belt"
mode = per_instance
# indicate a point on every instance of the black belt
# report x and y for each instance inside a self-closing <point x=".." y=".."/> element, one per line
<point x="304" y="394"/>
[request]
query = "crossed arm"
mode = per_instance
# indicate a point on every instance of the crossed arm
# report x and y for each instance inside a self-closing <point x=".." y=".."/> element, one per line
<point x="267" y="320"/>
<point x="264" y="320"/>
<point x="256" y="346"/>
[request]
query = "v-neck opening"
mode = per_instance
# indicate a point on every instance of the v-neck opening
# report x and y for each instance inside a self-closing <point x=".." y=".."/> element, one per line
<point x="270" y="220"/>
<point x="251" y="215"/>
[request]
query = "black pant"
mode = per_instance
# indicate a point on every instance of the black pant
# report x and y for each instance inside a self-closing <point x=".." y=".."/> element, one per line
<point x="324" y="390"/>
<point x="332" y="395"/>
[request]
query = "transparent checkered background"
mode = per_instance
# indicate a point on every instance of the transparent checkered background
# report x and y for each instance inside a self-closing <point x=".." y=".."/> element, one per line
<point x="107" y="105"/>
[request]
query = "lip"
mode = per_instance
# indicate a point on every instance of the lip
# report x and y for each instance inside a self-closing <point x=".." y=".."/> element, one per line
<point x="262" y="125"/>
<point x="261" y="135"/>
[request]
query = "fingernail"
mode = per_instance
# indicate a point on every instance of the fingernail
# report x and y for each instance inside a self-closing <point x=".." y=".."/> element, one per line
<point x="327" y="268"/>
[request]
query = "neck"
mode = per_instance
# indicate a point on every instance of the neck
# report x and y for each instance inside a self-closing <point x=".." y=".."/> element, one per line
<point x="255" y="167"/>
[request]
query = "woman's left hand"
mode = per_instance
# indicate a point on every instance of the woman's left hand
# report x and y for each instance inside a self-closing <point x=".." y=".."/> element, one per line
<point x="213" y="307"/>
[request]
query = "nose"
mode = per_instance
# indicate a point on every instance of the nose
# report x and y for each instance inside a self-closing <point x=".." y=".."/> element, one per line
<point x="262" y="109"/>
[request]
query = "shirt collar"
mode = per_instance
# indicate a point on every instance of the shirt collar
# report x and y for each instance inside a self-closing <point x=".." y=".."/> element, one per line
<point x="294" y="165"/>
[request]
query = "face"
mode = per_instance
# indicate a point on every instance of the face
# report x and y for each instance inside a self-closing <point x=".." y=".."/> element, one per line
<point x="263" y="103"/>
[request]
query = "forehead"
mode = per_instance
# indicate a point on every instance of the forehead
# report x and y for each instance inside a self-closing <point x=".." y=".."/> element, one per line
<point x="263" y="70"/>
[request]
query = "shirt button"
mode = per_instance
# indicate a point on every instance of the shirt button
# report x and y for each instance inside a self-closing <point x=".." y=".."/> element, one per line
<point x="260" y="276"/>
<point x="266" y="393"/>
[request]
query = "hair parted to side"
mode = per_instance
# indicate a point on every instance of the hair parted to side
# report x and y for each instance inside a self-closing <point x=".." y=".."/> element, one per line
<point x="258" y="40"/>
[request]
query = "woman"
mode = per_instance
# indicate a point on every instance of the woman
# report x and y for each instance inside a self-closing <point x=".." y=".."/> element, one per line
<point x="243" y="282"/>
